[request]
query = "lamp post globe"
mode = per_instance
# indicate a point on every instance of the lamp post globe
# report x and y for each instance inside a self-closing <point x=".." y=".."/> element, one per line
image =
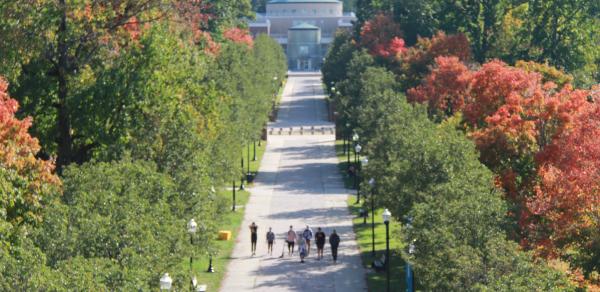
<point x="358" y="148"/>
<point x="192" y="227"/>
<point x="355" y="137"/>
<point x="372" y="182"/>
<point x="364" y="161"/>
<point x="166" y="282"/>
<point x="386" y="216"/>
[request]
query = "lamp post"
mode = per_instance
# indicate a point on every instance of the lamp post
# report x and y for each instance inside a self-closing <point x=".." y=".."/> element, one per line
<point x="363" y="163"/>
<point x="345" y="137"/>
<point x="355" y="140"/>
<point x="410" y="279"/>
<point x="242" y="179"/>
<point x="372" y="184"/>
<point x="357" y="149"/>
<point x="248" y="166"/>
<point x="166" y="282"/>
<point x="192" y="227"/>
<point x="233" y="199"/>
<point x="386" y="219"/>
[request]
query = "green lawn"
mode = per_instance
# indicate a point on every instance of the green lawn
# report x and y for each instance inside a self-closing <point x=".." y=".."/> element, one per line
<point x="375" y="281"/>
<point x="343" y="163"/>
<point x="230" y="221"/>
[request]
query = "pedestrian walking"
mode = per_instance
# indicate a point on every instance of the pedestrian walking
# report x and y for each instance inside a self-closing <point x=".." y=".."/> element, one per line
<point x="253" y="237"/>
<point x="291" y="239"/>
<point x="308" y="235"/>
<point x="270" y="241"/>
<point x="320" y="239"/>
<point x="302" y="250"/>
<point x="334" y="241"/>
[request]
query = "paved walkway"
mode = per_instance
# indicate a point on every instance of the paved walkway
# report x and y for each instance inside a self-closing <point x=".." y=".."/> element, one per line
<point x="298" y="184"/>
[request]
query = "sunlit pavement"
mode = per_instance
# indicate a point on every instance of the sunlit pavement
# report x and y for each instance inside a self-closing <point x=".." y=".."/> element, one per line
<point x="298" y="184"/>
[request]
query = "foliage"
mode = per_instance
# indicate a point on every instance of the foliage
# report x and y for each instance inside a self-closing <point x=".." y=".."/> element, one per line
<point x="125" y="218"/>
<point x="238" y="35"/>
<point x="431" y="174"/>
<point x="417" y="61"/>
<point x="27" y="183"/>
<point x="531" y="134"/>
<point x="382" y="37"/>
<point x="444" y="89"/>
<point x="339" y="55"/>
<point x="133" y="87"/>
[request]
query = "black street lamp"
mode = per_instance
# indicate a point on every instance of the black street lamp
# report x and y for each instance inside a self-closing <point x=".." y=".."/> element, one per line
<point x="248" y="174"/>
<point x="233" y="199"/>
<point x="242" y="179"/>
<point x="357" y="149"/>
<point x="386" y="219"/>
<point x="191" y="229"/>
<point x="355" y="140"/>
<point x="372" y="184"/>
<point x="345" y="137"/>
<point x="362" y="164"/>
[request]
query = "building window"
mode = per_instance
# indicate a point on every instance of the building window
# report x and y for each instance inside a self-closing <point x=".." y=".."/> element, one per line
<point x="293" y="11"/>
<point x="330" y="11"/>
<point x="303" y="50"/>
<point x="315" y="11"/>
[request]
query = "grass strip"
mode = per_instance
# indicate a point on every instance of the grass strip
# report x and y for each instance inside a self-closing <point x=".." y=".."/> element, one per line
<point x="376" y="281"/>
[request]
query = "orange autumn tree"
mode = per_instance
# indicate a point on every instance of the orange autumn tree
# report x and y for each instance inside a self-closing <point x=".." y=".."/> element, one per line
<point x="540" y="140"/>
<point x="444" y="89"/>
<point x="239" y="35"/>
<point x="26" y="182"/>
<point x="417" y="61"/>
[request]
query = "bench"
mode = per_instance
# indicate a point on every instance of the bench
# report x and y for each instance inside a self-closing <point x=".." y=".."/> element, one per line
<point x="380" y="264"/>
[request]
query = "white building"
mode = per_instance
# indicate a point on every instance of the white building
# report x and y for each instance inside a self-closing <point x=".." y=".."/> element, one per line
<point x="304" y="28"/>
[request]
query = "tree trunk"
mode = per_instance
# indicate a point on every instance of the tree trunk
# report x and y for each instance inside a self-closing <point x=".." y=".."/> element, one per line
<point x="65" y="140"/>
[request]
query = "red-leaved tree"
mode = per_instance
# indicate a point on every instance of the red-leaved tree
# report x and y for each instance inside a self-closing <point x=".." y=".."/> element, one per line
<point x="417" y="61"/>
<point x="382" y="36"/>
<point x="540" y="139"/>
<point x="445" y="89"/>
<point x="238" y="35"/>
<point x="25" y="181"/>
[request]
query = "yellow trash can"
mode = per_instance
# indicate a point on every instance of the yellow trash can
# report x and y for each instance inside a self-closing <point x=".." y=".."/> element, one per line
<point x="224" y="235"/>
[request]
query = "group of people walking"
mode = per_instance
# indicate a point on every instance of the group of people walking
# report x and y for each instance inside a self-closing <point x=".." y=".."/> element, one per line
<point x="302" y="239"/>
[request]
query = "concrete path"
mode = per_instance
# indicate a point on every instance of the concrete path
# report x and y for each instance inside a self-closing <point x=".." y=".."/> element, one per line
<point x="298" y="184"/>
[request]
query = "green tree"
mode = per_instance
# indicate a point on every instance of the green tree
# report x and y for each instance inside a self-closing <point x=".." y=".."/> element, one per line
<point x="124" y="217"/>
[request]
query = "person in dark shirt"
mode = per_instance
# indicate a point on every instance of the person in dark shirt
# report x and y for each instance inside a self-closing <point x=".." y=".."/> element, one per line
<point x="253" y="237"/>
<point x="320" y="239"/>
<point x="334" y="241"/>
<point x="270" y="240"/>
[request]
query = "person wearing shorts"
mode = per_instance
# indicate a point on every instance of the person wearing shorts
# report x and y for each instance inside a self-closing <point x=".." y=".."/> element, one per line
<point x="291" y="239"/>
<point x="270" y="240"/>
<point x="307" y="234"/>
<point x="320" y="239"/>
<point x="253" y="237"/>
